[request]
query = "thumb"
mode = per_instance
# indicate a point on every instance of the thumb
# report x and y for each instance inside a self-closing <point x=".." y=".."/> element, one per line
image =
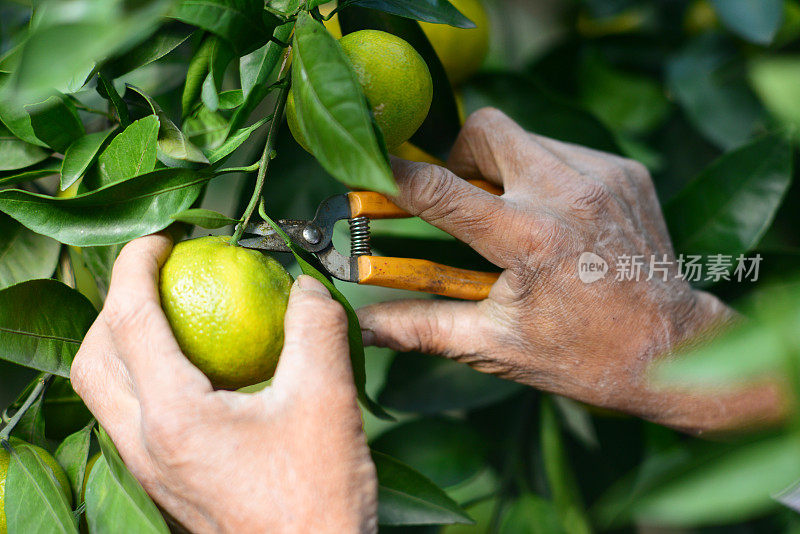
<point x="445" y="328"/>
<point x="315" y="352"/>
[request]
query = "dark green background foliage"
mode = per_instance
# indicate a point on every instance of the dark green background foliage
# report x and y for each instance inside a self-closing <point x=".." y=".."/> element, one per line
<point x="150" y="110"/>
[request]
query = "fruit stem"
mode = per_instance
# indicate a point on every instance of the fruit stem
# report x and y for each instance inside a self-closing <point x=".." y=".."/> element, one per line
<point x="37" y="391"/>
<point x="266" y="157"/>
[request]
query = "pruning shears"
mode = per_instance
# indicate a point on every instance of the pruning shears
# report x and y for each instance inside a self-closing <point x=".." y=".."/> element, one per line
<point x="361" y="267"/>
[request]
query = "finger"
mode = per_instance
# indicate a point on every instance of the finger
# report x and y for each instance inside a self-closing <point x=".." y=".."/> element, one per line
<point x="446" y="328"/>
<point x="139" y="328"/>
<point x="494" y="147"/>
<point x="315" y="350"/>
<point x="101" y="380"/>
<point x="459" y="208"/>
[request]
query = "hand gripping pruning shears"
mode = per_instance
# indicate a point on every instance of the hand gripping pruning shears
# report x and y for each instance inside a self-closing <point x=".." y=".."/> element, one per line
<point x="358" y="207"/>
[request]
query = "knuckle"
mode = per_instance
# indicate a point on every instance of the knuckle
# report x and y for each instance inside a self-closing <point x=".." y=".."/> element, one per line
<point x="483" y="117"/>
<point x="434" y="192"/>
<point x="593" y="198"/>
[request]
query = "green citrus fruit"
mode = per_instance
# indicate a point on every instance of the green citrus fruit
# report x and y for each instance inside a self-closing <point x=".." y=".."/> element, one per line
<point x="226" y="305"/>
<point x="49" y="461"/>
<point x="395" y="80"/>
<point x="461" y="50"/>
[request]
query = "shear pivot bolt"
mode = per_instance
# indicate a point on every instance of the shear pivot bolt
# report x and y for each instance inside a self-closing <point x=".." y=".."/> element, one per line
<point x="311" y="235"/>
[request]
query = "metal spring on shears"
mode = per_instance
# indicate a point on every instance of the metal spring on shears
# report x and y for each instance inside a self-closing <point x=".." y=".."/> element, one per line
<point x="359" y="237"/>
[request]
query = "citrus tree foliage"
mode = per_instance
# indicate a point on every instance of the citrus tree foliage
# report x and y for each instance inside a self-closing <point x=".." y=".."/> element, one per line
<point x="119" y="119"/>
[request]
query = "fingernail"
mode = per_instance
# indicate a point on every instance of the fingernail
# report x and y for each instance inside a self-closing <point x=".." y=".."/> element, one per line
<point x="311" y="284"/>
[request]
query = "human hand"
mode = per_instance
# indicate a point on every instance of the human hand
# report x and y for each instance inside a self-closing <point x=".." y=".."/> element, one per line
<point x="541" y="325"/>
<point x="291" y="458"/>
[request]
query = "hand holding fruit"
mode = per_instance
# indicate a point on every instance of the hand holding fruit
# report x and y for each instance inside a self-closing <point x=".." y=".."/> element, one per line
<point x="541" y="325"/>
<point x="220" y="461"/>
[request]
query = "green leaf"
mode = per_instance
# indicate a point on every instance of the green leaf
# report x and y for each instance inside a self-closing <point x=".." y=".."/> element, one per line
<point x="560" y="478"/>
<point x="219" y="58"/>
<point x="115" y="497"/>
<point x="40" y="170"/>
<point x="64" y="411"/>
<point x="755" y="20"/>
<point x="731" y="487"/>
<point x="112" y="214"/>
<point x="55" y="121"/>
<point x="17" y="120"/>
<point x="99" y="261"/>
<point x="729" y="206"/>
<point x="34" y="501"/>
<point x="24" y="255"/>
<point x="243" y="23"/>
<point x="168" y="37"/>
<point x="235" y="141"/>
<point x="30" y="427"/>
<point x="80" y="156"/>
<point x="131" y="153"/>
<point x="436" y="11"/>
<point x="230" y="99"/>
<point x="72" y="455"/>
<point x="707" y="82"/>
<point x="196" y="75"/>
<point x="257" y="69"/>
<point x="204" y="218"/>
<point x="353" y="327"/>
<point x="445" y="450"/>
<point x="332" y="112"/>
<point x="16" y="153"/>
<point x="206" y="129"/>
<point x="438" y="132"/>
<point x="42" y="324"/>
<point x="530" y="514"/>
<point x="107" y="90"/>
<point x="536" y="110"/>
<point x="777" y="81"/>
<point x="174" y="150"/>
<point x="406" y="497"/>
<point x="427" y="384"/>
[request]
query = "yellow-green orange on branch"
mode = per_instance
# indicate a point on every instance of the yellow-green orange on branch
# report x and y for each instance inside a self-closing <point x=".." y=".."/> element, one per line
<point x="226" y="305"/>
<point x="394" y="78"/>
<point x="50" y="462"/>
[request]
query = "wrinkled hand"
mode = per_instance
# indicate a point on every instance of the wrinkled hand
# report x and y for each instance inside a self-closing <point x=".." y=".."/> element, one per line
<point x="291" y="458"/>
<point x="541" y="325"/>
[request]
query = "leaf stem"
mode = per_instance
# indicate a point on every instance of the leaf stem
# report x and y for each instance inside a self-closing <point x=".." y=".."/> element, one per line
<point x="41" y="386"/>
<point x="266" y="157"/>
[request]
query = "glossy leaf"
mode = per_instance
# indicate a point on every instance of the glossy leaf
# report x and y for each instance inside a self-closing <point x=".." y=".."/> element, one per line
<point x="107" y="90"/>
<point x="16" y="119"/>
<point x="204" y="218"/>
<point x="196" y="75"/>
<point x="55" y="121"/>
<point x="530" y="514"/>
<point x="235" y="141"/>
<point x="354" y="339"/>
<point x="80" y="155"/>
<point x="447" y="451"/>
<point x="131" y="153"/>
<point x="34" y="501"/>
<point x="776" y="80"/>
<point x="113" y="214"/>
<point x="729" y="206"/>
<point x="114" y="496"/>
<point x="205" y="129"/>
<point x="436" y="11"/>
<point x="219" y="58"/>
<point x="440" y="128"/>
<point x="428" y="384"/>
<point x="714" y="94"/>
<point x="537" y="110"/>
<point x="406" y="497"/>
<point x="332" y="113"/>
<point x="42" y="324"/>
<point x="72" y="455"/>
<point x="40" y="170"/>
<point x="256" y="69"/>
<point x="243" y="23"/>
<point x="755" y="20"/>
<point x="24" y="255"/>
<point x="30" y="427"/>
<point x="731" y="487"/>
<point x="99" y="261"/>
<point x="165" y="40"/>
<point x="174" y="149"/>
<point x="17" y="154"/>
